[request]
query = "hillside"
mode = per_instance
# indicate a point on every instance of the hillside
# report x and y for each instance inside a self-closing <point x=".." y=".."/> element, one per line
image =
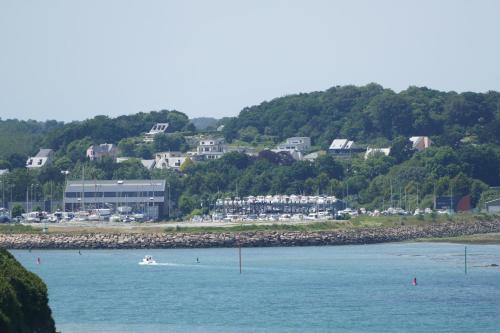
<point x="204" y="123"/>
<point x="22" y="137"/>
<point x="23" y="299"/>
<point x="464" y="158"/>
<point x="372" y="113"/>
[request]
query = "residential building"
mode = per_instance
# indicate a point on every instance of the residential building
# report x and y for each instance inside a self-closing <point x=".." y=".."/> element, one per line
<point x="492" y="206"/>
<point x="312" y="156"/>
<point x="373" y="151"/>
<point x="138" y="196"/>
<point x="148" y="164"/>
<point x="343" y="148"/>
<point x="211" y="148"/>
<point x="42" y="158"/>
<point x="169" y="160"/>
<point x="301" y="144"/>
<point x="3" y="172"/>
<point x="157" y="128"/>
<point x="420" y="142"/>
<point x="97" y="152"/>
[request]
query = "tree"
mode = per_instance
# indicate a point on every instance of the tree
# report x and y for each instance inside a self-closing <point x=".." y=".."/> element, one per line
<point x="17" y="210"/>
<point x="401" y="149"/>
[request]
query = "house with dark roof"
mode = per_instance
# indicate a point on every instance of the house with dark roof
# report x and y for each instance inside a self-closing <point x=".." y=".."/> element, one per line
<point x="97" y="152"/>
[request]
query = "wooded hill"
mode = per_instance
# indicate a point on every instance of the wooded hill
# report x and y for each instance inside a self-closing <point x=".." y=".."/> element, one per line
<point x="464" y="158"/>
<point x="371" y="114"/>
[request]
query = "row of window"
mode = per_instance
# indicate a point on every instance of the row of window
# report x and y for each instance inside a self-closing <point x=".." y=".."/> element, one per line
<point x="123" y="194"/>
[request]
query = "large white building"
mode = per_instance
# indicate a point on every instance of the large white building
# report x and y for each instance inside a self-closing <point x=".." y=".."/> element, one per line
<point x="141" y="196"/>
<point x="211" y="148"/>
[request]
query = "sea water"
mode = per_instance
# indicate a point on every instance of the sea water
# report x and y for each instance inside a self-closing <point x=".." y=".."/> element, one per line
<point x="362" y="288"/>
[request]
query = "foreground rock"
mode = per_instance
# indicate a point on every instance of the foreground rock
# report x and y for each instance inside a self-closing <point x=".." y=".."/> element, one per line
<point x="24" y="305"/>
<point x="246" y="239"/>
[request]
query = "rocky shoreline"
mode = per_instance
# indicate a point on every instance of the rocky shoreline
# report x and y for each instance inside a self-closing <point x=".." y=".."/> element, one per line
<point x="245" y="239"/>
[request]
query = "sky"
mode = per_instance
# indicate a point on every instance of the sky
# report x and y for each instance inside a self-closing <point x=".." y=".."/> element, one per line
<point x="72" y="60"/>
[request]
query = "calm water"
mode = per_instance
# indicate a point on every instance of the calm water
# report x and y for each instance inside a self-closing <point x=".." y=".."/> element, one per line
<point x="307" y="289"/>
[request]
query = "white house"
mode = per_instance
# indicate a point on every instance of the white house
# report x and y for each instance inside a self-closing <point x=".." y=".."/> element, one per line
<point x="97" y="152"/>
<point x="4" y="172"/>
<point x="373" y="151"/>
<point x="157" y="128"/>
<point x="44" y="157"/>
<point x="169" y="160"/>
<point x="420" y="142"/>
<point x="301" y="144"/>
<point x="343" y="148"/>
<point x="211" y="148"/>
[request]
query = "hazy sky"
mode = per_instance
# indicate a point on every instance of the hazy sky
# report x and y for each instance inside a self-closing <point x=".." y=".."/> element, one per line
<point x="70" y="60"/>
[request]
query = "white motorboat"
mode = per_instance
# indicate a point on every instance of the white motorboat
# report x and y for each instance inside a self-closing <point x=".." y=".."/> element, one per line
<point x="147" y="260"/>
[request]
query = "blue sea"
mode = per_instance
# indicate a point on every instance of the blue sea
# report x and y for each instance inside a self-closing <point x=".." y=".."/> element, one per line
<point x="363" y="288"/>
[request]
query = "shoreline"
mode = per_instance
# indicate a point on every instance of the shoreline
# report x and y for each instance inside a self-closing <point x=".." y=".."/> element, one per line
<point x="165" y="240"/>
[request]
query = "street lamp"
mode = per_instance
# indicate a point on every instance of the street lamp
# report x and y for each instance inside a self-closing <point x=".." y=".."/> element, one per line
<point x="65" y="173"/>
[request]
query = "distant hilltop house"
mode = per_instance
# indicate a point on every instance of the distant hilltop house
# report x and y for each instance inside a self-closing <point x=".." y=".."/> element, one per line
<point x="97" y="152"/>
<point x="211" y="148"/>
<point x="295" y="146"/>
<point x="44" y="157"/>
<point x="4" y="172"/>
<point x="157" y="128"/>
<point x="420" y="142"/>
<point x="148" y="164"/>
<point x="492" y="206"/>
<point x="373" y="151"/>
<point x="312" y="156"/>
<point x="169" y="160"/>
<point x="301" y="144"/>
<point x="343" y="148"/>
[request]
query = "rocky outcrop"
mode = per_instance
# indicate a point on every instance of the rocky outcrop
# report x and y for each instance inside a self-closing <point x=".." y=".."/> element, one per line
<point x="24" y="305"/>
<point x="245" y="239"/>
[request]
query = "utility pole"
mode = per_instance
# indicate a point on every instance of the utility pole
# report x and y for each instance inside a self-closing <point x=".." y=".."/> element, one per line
<point x="390" y="182"/>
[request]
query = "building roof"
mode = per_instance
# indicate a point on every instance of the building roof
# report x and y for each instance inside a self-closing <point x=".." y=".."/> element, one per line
<point x="492" y="202"/>
<point x="372" y="151"/>
<point x="341" y="144"/>
<point x="148" y="164"/>
<point x="44" y="152"/>
<point x="158" y="128"/>
<point x="116" y="185"/>
<point x="298" y="139"/>
<point x="206" y="141"/>
<point x="4" y="172"/>
<point x="103" y="148"/>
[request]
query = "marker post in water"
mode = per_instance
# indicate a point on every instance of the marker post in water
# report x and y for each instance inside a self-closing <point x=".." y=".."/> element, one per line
<point x="465" y="260"/>
<point x="239" y="249"/>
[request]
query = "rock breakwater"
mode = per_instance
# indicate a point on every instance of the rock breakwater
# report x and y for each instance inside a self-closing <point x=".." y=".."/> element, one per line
<point x="246" y="239"/>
